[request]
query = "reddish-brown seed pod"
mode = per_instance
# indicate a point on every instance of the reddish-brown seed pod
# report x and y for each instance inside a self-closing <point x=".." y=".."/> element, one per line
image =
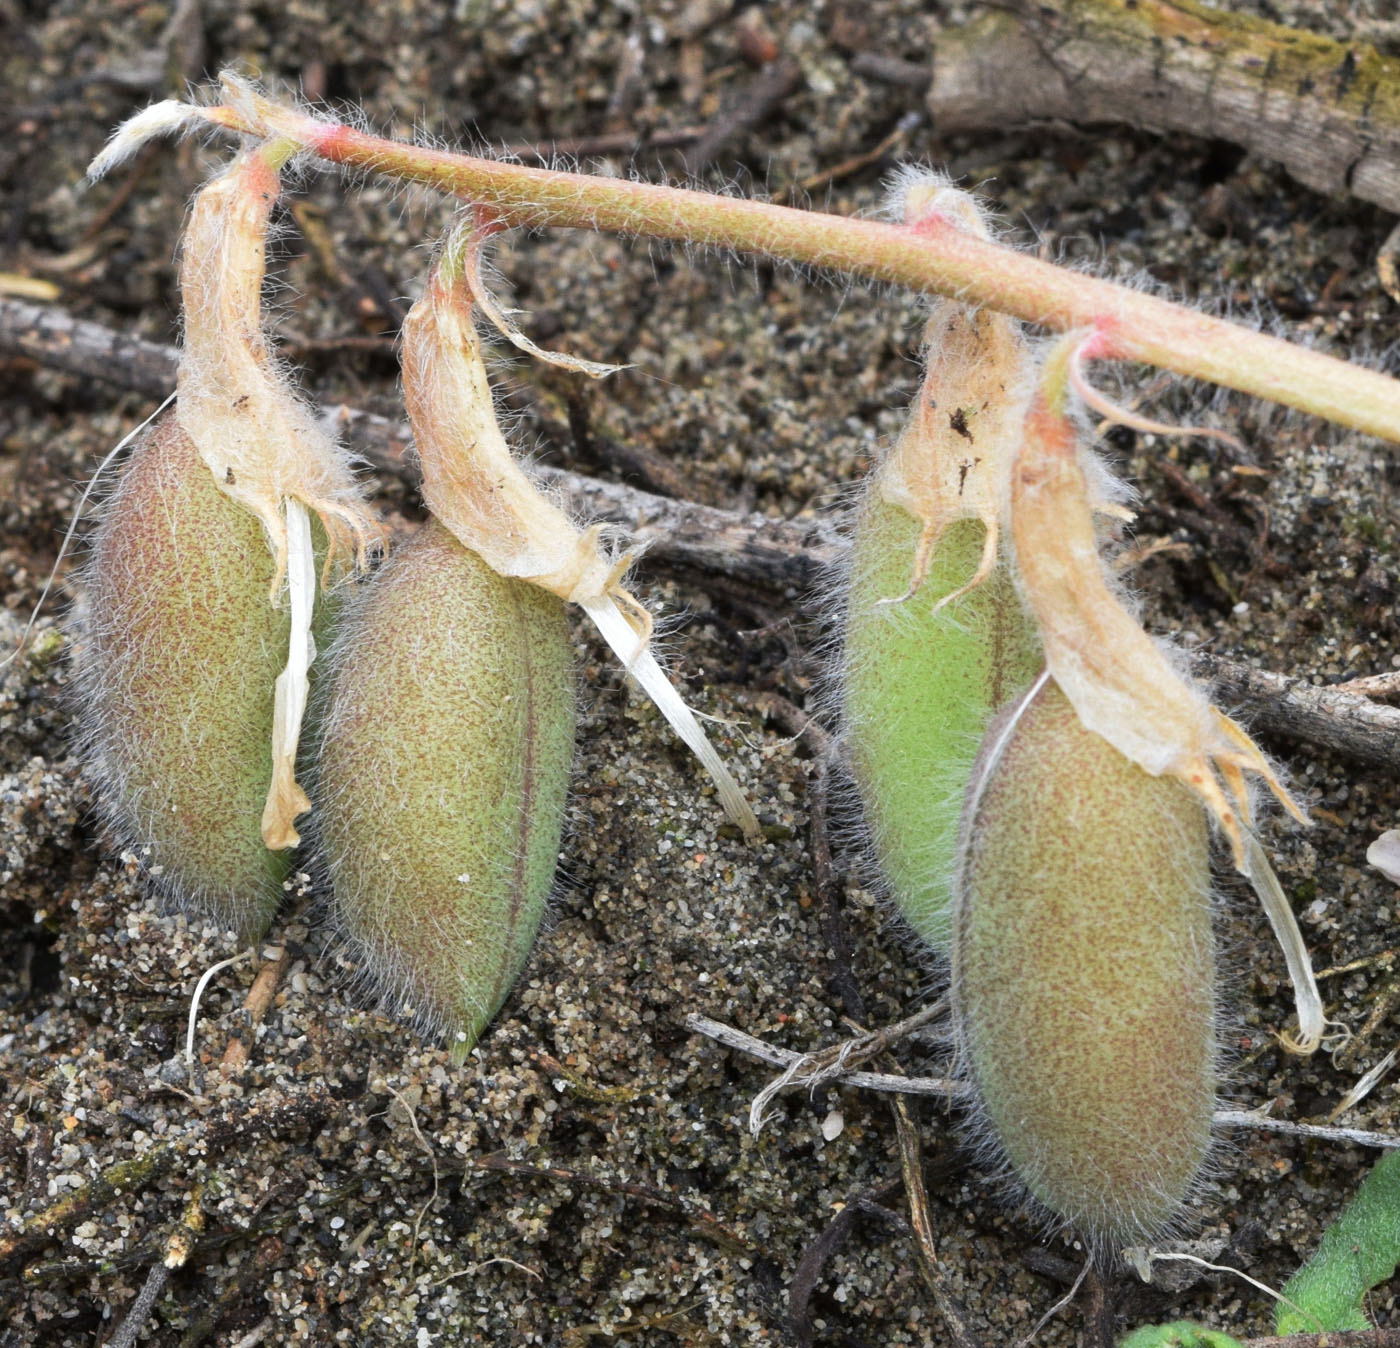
<point x="179" y="653"/>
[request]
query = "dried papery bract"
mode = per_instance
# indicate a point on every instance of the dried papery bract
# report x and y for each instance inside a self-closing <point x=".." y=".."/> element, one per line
<point x="168" y="117"/>
<point x="949" y="462"/>
<point x="469" y="247"/>
<point x="260" y="442"/>
<point x="1119" y="681"/>
<point x="473" y="484"/>
<point x="936" y="639"/>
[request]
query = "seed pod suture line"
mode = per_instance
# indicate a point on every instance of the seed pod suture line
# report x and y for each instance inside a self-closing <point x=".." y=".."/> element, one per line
<point x="440" y="783"/>
<point x="935" y="636"/>
<point x="1083" y="973"/>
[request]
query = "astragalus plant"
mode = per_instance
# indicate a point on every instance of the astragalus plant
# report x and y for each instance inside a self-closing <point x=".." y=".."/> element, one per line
<point x="1040" y="778"/>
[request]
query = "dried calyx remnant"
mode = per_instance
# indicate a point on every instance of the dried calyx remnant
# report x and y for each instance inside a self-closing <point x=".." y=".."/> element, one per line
<point x="1064" y="869"/>
<point x="201" y="583"/>
<point x="262" y="444"/>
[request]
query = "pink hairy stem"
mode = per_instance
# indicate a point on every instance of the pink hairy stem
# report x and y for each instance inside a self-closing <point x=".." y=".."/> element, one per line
<point x="934" y="255"/>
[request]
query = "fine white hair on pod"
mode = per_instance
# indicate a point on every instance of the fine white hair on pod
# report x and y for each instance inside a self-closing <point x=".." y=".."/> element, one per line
<point x="1083" y="974"/>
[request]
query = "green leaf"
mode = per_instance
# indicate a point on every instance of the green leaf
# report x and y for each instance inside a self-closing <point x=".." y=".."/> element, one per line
<point x="1358" y="1252"/>
<point x="1181" y="1334"/>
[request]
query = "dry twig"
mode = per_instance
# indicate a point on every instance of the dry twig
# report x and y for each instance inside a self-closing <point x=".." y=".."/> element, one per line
<point x="809" y="1268"/>
<point x="1280" y="704"/>
<point x="140" y="1310"/>
<point x="912" y="1167"/>
<point x="1328" y="111"/>
<point x="1374" y="685"/>
<point x="769" y="90"/>
<point x="275" y="1113"/>
<point x="177" y="1248"/>
<point x="255" y="1007"/>
<point x="786" y="1059"/>
<point x="832" y="1064"/>
<point x="783" y="556"/>
<point x="840" y="1060"/>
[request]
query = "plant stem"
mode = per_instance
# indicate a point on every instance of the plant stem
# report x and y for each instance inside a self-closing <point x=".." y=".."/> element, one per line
<point x="933" y="256"/>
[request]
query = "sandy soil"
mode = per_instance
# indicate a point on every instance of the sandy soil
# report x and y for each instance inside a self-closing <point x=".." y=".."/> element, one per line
<point x="590" y="1172"/>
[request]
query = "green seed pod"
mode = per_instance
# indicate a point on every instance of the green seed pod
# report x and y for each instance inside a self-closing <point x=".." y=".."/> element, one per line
<point x="920" y="683"/>
<point x="202" y="584"/>
<point x="179" y="655"/>
<point x="448" y="732"/>
<point x="936" y="639"/>
<point x="1083" y="972"/>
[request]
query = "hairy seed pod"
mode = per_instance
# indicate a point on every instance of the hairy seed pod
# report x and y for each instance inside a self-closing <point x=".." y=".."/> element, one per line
<point x="936" y="639"/>
<point x="920" y="684"/>
<point x="448" y="732"/>
<point x="1083" y="972"/>
<point x="179" y="656"/>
